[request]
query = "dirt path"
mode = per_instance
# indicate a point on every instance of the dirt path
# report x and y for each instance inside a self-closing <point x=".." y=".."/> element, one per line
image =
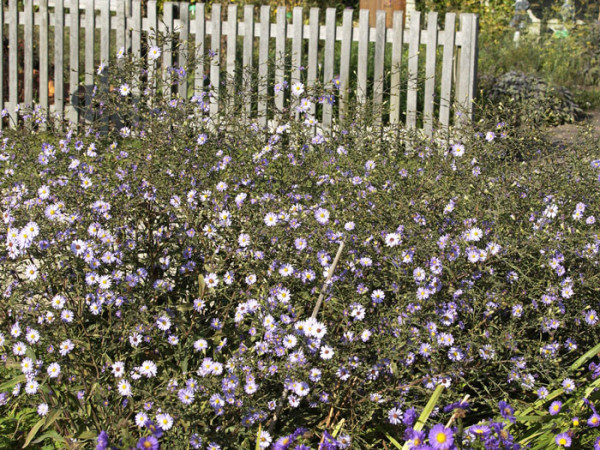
<point x="568" y="134"/>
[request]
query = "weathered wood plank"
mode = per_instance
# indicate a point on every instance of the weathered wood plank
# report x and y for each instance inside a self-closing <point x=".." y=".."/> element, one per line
<point x="59" y="47"/>
<point x="184" y="36"/>
<point x="280" y="37"/>
<point x="43" y="49"/>
<point x="346" y="37"/>
<point x="247" y="54"/>
<point x="297" y="41"/>
<point x="396" y="68"/>
<point x="467" y="69"/>
<point x="263" y="63"/>
<point x="413" y="69"/>
<point x="329" y="62"/>
<point x="430" y="81"/>
<point x="105" y="23"/>
<point x="200" y="31"/>
<point x="74" y="61"/>
<point x="90" y="64"/>
<point x="363" y="55"/>
<point x="121" y="25"/>
<point x="379" y="62"/>
<point x="215" y="47"/>
<point x="13" y="60"/>
<point x="28" y="53"/>
<point x="447" y="69"/>
<point x="167" y="55"/>
<point x="136" y="29"/>
<point x="232" y="34"/>
<point x="313" y="51"/>
<point x="2" y="65"/>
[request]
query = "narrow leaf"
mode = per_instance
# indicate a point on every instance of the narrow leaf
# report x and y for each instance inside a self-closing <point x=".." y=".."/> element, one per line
<point x="34" y="431"/>
<point x="11" y="383"/>
<point x="588" y="355"/>
<point x="258" y="437"/>
<point x="394" y="442"/>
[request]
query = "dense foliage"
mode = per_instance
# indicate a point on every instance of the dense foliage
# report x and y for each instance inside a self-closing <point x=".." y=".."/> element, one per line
<point x="159" y="279"/>
<point x="532" y="99"/>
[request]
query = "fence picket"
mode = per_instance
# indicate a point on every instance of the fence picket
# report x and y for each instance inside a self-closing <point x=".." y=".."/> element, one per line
<point x="182" y="54"/>
<point x="59" y="46"/>
<point x="414" y="37"/>
<point x="200" y="36"/>
<point x="430" y="61"/>
<point x="232" y="34"/>
<point x="90" y="38"/>
<point x="152" y="42"/>
<point x="330" y="29"/>
<point x="13" y="59"/>
<point x="2" y="65"/>
<point x="105" y="31"/>
<point x="247" y="52"/>
<point x="121" y="25"/>
<point x="263" y="66"/>
<point x="379" y="62"/>
<point x="28" y="51"/>
<point x="136" y="29"/>
<point x="280" y="37"/>
<point x="447" y="69"/>
<point x="396" y="69"/>
<point x="297" y="40"/>
<point x="467" y="72"/>
<point x="167" y="47"/>
<point x="43" y="49"/>
<point x="74" y="61"/>
<point x="345" y="61"/>
<point x="215" y="47"/>
<point x="363" y="55"/>
<point x="313" y="51"/>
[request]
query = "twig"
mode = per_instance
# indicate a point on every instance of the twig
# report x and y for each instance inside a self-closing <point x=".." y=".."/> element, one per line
<point x="329" y="275"/>
<point x="457" y="411"/>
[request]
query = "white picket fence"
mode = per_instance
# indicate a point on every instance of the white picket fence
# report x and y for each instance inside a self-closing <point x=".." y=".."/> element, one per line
<point x="312" y="43"/>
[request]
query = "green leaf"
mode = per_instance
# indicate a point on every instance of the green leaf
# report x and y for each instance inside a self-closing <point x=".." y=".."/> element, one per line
<point x="258" y="437"/>
<point x="394" y="442"/>
<point x="201" y="286"/>
<point x="587" y="356"/>
<point x="11" y="383"/>
<point x="428" y="408"/>
<point x="49" y="435"/>
<point x="86" y="435"/>
<point x="52" y="418"/>
<point x="338" y="428"/>
<point x="34" y="431"/>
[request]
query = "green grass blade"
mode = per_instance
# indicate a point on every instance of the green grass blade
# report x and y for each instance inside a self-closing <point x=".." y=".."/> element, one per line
<point x="587" y="356"/>
<point x="428" y="410"/>
<point x="393" y="441"/>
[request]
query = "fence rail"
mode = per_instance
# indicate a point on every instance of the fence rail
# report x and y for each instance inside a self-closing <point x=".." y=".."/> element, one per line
<point x="325" y="48"/>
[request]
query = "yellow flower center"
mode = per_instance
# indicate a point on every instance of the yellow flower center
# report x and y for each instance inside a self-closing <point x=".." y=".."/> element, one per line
<point x="441" y="438"/>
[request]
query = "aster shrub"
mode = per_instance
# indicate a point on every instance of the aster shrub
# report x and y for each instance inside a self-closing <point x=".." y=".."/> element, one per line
<point x="159" y="276"/>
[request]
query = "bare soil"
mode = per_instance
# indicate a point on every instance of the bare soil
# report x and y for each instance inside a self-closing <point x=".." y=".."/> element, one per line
<point x="569" y="134"/>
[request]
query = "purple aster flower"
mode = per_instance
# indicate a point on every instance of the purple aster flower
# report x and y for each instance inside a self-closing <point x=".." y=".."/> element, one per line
<point x="410" y="417"/>
<point x="555" y="407"/>
<point x="507" y="411"/>
<point x="563" y="439"/>
<point x="154" y="429"/>
<point x="594" y="420"/>
<point x="102" y="441"/>
<point x="147" y="443"/>
<point x="440" y="437"/>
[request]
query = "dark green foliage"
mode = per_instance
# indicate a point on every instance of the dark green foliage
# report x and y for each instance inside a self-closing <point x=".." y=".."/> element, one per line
<point x="532" y="98"/>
